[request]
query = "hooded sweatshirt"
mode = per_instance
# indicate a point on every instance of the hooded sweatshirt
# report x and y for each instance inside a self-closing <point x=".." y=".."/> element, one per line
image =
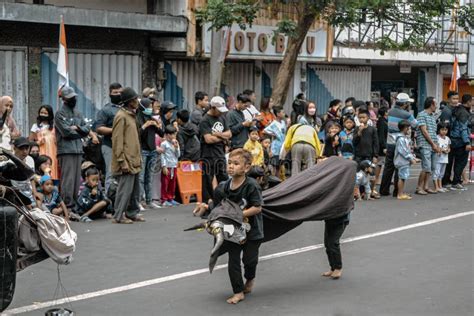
<point x="188" y="140"/>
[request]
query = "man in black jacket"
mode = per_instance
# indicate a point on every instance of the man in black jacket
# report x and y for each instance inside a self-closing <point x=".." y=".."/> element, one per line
<point x="70" y="129"/>
<point x="188" y="138"/>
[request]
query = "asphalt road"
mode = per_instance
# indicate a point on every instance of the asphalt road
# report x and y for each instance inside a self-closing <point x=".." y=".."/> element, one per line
<point x="416" y="270"/>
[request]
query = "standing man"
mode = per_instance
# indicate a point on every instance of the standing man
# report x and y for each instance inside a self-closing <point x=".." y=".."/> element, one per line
<point x="460" y="145"/>
<point x="446" y="117"/>
<point x="202" y="105"/>
<point x="127" y="160"/>
<point x="398" y="113"/>
<point x="215" y="134"/>
<point x="251" y="112"/>
<point x="237" y="122"/>
<point x="70" y="129"/>
<point x="104" y="123"/>
<point x="427" y="142"/>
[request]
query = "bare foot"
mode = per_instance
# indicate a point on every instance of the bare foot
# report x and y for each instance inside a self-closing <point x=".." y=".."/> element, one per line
<point x="336" y="274"/>
<point x="236" y="298"/>
<point x="327" y="273"/>
<point x="249" y="286"/>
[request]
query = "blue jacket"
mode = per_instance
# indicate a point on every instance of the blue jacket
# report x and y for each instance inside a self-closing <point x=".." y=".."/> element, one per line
<point x="403" y="155"/>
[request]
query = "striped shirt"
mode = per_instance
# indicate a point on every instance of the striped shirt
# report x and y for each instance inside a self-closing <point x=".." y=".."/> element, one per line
<point x="428" y="120"/>
<point x="396" y="115"/>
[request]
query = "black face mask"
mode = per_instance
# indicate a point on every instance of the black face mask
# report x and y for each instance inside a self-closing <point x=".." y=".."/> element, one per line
<point x="71" y="102"/>
<point x="43" y="118"/>
<point x="115" y="99"/>
<point x="34" y="156"/>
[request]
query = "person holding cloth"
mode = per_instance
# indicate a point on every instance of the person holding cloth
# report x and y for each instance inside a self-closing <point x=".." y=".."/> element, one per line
<point x="246" y="192"/>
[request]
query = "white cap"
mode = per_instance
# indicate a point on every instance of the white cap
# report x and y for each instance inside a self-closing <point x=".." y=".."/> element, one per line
<point x="219" y="103"/>
<point x="404" y="98"/>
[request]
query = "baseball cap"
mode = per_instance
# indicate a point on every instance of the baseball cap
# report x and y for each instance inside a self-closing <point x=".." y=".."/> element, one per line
<point x="68" y="92"/>
<point x="219" y="103"/>
<point x="21" y="142"/>
<point x="128" y="94"/>
<point x="404" y="98"/>
<point x="86" y="165"/>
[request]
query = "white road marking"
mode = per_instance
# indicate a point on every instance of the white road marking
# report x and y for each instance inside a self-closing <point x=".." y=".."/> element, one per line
<point x="183" y="275"/>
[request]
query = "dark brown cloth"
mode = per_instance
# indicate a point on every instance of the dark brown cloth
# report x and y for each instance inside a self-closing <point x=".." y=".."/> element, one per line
<point x="322" y="192"/>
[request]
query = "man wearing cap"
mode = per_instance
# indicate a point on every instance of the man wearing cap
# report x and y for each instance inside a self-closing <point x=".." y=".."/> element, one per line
<point x="238" y="125"/>
<point x="167" y="111"/>
<point x="21" y="147"/>
<point x="127" y="160"/>
<point x="214" y="136"/>
<point x="398" y="113"/>
<point x="70" y="129"/>
<point x="103" y="126"/>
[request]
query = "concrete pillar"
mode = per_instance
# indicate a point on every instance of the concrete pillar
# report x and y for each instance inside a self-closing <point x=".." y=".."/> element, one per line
<point x="258" y="82"/>
<point x="35" y="99"/>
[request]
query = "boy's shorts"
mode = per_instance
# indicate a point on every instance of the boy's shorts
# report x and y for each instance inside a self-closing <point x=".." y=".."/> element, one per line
<point x="404" y="172"/>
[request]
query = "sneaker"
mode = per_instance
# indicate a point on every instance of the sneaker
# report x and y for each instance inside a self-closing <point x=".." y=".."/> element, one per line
<point x="153" y="205"/>
<point x="167" y="204"/>
<point x="142" y="208"/>
<point x="458" y="187"/>
<point x="447" y="186"/>
<point x="174" y="203"/>
<point x="85" y="219"/>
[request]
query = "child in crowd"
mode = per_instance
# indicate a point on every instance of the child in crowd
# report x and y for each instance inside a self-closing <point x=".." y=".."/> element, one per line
<point x="254" y="147"/>
<point x="403" y="157"/>
<point x="444" y="143"/>
<point x="346" y="137"/>
<point x="51" y="200"/>
<point x="382" y="131"/>
<point x="331" y="142"/>
<point x="366" y="143"/>
<point x="277" y="130"/>
<point x="169" y="163"/>
<point x="244" y="191"/>
<point x="43" y="165"/>
<point x="91" y="202"/>
<point x="363" y="177"/>
<point x="267" y="152"/>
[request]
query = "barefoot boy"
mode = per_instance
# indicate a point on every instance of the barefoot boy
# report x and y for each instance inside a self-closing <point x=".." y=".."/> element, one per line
<point x="245" y="192"/>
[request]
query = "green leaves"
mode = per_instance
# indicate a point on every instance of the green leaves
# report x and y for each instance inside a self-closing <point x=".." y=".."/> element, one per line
<point x="222" y="13"/>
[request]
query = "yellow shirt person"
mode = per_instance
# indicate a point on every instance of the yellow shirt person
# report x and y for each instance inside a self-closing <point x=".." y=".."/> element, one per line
<point x="255" y="148"/>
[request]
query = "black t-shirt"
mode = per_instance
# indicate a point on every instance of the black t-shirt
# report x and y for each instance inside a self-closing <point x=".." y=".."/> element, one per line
<point x="208" y="125"/>
<point x="247" y="195"/>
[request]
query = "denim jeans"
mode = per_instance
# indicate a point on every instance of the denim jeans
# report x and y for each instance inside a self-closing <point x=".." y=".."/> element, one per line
<point x="146" y="175"/>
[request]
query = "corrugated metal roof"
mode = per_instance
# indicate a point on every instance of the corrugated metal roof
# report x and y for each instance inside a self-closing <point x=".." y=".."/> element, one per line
<point x="90" y="75"/>
<point x="13" y="67"/>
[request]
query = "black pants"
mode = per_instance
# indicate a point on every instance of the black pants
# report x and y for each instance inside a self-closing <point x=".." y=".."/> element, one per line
<point x="388" y="171"/>
<point x="249" y="259"/>
<point x="332" y="234"/>
<point x="449" y="169"/>
<point x="460" y="158"/>
<point x="212" y="167"/>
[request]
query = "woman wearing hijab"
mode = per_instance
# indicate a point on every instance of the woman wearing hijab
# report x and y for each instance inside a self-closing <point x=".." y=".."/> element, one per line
<point x="7" y="102"/>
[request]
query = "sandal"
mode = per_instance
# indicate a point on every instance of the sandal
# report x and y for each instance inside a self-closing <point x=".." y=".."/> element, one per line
<point x="137" y="218"/>
<point x="404" y="197"/>
<point x="429" y="191"/>
<point x="122" y="221"/>
<point x="421" y="192"/>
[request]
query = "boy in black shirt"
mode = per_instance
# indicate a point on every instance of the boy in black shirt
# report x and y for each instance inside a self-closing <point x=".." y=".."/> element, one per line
<point x="244" y="191"/>
<point x="366" y="143"/>
<point x="215" y="134"/>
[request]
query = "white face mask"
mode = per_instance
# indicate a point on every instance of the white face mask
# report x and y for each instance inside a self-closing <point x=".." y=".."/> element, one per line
<point x="311" y="111"/>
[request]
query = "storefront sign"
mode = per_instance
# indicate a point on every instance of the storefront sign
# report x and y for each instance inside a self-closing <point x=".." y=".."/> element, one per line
<point x="258" y="43"/>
